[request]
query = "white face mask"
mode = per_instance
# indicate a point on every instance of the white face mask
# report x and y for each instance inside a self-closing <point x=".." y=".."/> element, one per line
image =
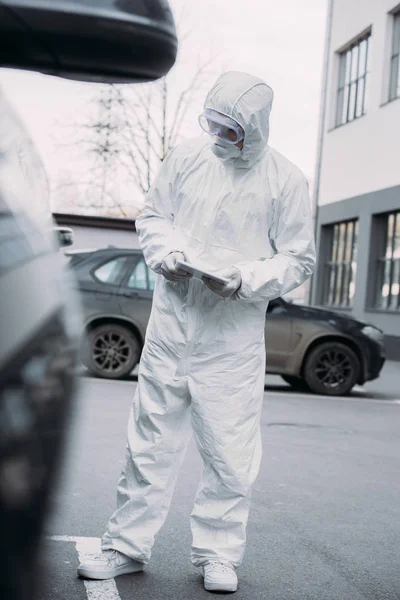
<point x="224" y="150"/>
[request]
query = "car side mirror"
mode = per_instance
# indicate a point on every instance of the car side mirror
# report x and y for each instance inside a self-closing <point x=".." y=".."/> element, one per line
<point x="64" y="236"/>
<point x="110" y="41"/>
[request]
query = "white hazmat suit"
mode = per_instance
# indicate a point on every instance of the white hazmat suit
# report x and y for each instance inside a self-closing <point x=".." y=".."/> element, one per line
<point x="203" y="363"/>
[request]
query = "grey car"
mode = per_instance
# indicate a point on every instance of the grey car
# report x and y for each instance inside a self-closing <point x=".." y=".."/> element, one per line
<point x="310" y="348"/>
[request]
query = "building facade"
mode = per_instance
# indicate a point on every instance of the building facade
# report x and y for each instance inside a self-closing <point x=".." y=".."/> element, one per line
<point x="93" y="232"/>
<point x="358" y="172"/>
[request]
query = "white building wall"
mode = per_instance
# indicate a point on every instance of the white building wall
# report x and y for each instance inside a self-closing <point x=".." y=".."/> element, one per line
<point x="363" y="155"/>
<point x="93" y="238"/>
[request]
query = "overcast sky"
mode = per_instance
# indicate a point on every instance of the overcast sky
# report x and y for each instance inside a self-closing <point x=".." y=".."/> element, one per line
<point x="280" y="41"/>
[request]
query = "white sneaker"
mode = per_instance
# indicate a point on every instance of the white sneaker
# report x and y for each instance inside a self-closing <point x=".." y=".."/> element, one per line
<point x="107" y="565"/>
<point x="219" y="577"/>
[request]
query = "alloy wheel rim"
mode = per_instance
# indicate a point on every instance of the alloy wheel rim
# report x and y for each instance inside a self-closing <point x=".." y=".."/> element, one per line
<point x="333" y="368"/>
<point x="111" y="352"/>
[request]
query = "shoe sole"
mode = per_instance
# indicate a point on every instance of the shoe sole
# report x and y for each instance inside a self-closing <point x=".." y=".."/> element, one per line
<point x="221" y="587"/>
<point x="109" y="574"/>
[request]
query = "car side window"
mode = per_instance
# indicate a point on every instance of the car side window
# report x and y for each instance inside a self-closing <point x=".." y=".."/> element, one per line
<point x="111" y="271"/>
<point x="138" y="278"/>
<point x="152" y="279"/>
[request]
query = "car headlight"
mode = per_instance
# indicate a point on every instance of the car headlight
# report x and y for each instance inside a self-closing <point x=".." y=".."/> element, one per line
<point x="374" y="334"/>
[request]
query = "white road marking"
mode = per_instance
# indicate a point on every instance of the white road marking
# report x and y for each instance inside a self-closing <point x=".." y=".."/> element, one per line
<point x="95" y="590"/>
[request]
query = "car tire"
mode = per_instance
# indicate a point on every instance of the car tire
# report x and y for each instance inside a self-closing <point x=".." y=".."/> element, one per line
<point x="111" y="351"/>
<point x="297" y="383"/>
<point x="332" y="369"/>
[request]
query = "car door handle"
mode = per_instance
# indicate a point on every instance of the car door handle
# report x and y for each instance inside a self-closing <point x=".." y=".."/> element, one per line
<point x="131" y="294"/>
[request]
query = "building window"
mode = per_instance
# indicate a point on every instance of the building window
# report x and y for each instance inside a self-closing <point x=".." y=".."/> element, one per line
<point x="394" y="89"/>
<point x="353" y="76"/>
<point x="388" y="288"/>
<point x="340" y="269"/>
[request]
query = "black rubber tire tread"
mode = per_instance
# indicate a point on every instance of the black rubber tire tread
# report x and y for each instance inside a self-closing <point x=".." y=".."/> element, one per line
<point x="310" y="376"/>
<point x="88" y="347"/>
<point x="297" y="383"/>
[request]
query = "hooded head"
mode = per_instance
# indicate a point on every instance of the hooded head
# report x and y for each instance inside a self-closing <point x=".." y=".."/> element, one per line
<point x="247" y="100"/>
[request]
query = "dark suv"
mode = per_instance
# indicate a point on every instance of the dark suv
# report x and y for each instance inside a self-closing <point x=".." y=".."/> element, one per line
<point x="310" y="348"/>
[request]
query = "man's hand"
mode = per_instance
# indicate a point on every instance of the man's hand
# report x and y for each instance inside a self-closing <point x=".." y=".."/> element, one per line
<point x="225" y="290"/>
<point x="169" y="269"/>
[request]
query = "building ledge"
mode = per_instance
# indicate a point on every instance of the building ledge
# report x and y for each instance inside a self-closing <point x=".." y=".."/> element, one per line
<point x="355" y="120"/>
<point x="94" y="221"/>
<point x="389" y="102"/>
<point x="383" y="311"/>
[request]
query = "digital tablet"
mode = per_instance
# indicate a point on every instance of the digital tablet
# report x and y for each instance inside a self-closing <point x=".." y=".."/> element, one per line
<point x="199" y="273"/>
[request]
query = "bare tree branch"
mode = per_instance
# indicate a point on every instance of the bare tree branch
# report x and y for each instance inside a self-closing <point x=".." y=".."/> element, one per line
<point x="127" y="131"/>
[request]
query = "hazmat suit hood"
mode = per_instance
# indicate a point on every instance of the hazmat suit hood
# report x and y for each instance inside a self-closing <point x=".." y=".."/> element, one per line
<point x="247" y="100"/>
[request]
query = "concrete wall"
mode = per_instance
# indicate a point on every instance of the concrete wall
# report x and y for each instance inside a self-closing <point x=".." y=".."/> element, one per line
<point x="360" y="173"/>
<point x="93" y="238"/>
<point x="365" y="208"/>
<point x="363" y="155"/>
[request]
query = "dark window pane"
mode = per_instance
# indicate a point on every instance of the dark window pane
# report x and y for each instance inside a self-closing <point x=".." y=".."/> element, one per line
<point x="396" y="35"/>
<point x="342" y="71"/>
<point x="346" y="60"/>
<point x="355" y="242"/>
<point x="340" y="107"/>
<point x="352" y="283"/>
<point x="394" y="296"/>
<point x="396" y="241"/>
<point x="335" y="243"/>
<point x="394" y="77"/>
<point x="362" y="67"/>
<point x="354" y="63"/>
<point x="389" y="236"/>
<point x="342" y="233"/>
<point x="365" y="98"/>
<point x="380" y="282"/>
<point x="368" y="54"/>
<point x="352" y="102"/>
<point x="386" y="284"/>
<point x="349" y="242"/>
<point x="345" y="104"/>
<point x="332" y="284"/>
<point x="338" y="284"/>
<point x="360" y="98"/>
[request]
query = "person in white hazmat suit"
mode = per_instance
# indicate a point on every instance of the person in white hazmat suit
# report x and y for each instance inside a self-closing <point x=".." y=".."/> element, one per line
<point x="229" y="203"/>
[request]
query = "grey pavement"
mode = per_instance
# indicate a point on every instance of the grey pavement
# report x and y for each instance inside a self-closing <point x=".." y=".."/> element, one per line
<point x="388" y="384"/>
<point x="325" y="517"/>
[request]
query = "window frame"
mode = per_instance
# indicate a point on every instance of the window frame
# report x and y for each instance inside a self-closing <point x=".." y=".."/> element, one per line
<point x="394" y="90"/>
<point x="346" y="83"/>
<point x="381" y="261"/>
<point x="337" y="237"/>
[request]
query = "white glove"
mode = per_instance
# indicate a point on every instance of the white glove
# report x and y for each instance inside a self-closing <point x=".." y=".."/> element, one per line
<point x="225" y="290"/>
<point x="169" y="269"/>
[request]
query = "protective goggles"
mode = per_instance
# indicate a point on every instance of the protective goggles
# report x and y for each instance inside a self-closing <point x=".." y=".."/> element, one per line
<point x="214" y="123"/>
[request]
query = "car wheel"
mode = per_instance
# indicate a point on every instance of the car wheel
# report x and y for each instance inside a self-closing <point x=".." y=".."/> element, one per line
<point x="111" y="351"/>
<point x="297" y="383"/>
<point x="332" y="368"/>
